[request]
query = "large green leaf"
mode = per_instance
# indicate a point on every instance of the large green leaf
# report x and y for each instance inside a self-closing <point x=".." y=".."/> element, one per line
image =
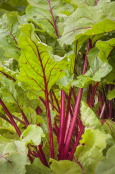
<point x="88" y="20"/>
<point x="39" y="11"/>
<point x="107" y="165"/>
<point x="9" y="35"/>
<point x="89" y="153"/>
<point x="37" y="65"/>
<point x="37" y="168"/>
<point x="65" y="167"/>
<point x="89" y="117"/>
<point x="78" y="3"/>
<point x="13" y="158"/>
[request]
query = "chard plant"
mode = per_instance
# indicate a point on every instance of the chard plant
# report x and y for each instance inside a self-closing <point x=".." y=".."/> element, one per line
<point x="57" y="87"/>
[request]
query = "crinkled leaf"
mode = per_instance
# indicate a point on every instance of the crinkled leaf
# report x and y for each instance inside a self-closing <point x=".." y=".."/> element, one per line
<point x="32" y="135"/>
<point x="37" y="66"/>
<point x="65" y="167"/>
<point x="89" y="117"/>
<point x="39" y="11"/>
<point x="37" y="168"/>
<point x="83" y="20"/>
<point x="89" y="153"/>
<point x="9" y="35"/>
<point x="107" y="165"/>
<point x="13" y="158"/>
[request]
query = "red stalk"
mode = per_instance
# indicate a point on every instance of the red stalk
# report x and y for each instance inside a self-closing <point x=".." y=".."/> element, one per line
<point x="93" y="94"/>
<point x="62" y="119"/>
<point x="77" y="105"/>
<point x="76" y="143"/>
<point x="74" y="94"/>
<point x="10" y="117"/>
<point x="67" y="127"/>
<point x="42" y="156"/>
<point x="110" y="108"/>
<point x="67" y="114"/>
<point x="89" y="93"/>
<point x="96" y="2"/>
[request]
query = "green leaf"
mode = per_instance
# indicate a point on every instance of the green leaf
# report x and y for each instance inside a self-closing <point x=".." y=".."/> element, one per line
<point x="32" y="135"/>
<point x="32" y="117"/>
<point x="78" y="3"/>
<point x="37" y="167"/>
<point x="13" y="158"/>
<point x="105" y="47"/>
<point x="107" y="165"/>
<point x="15" y="95"/>
<point x="14" y="5"/>
<point x="89" y="153"/>
<point x="8" y="72"/>
<point x="111" y="94"/>
<point x="86" y="20"/>
<point x="65" y="167"/>
<point x="83" y="80"/>
<point x="50" y="41"/>
<point x="9" y="35"/>
<point x="39" y="11"/>
<point x="100" y="67"/>
<point x="89" y="117"/>
<point x="37" y="63"/>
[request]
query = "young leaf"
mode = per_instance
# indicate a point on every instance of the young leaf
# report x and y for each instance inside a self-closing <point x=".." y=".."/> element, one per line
<point x="32" y="135"/>
<point x="9" y="35"/>
<point x="88" y="117"/>
<point x="83" y="19"/>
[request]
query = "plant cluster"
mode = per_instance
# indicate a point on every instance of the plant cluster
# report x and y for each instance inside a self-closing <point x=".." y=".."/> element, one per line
<point x="57" y="86"/>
